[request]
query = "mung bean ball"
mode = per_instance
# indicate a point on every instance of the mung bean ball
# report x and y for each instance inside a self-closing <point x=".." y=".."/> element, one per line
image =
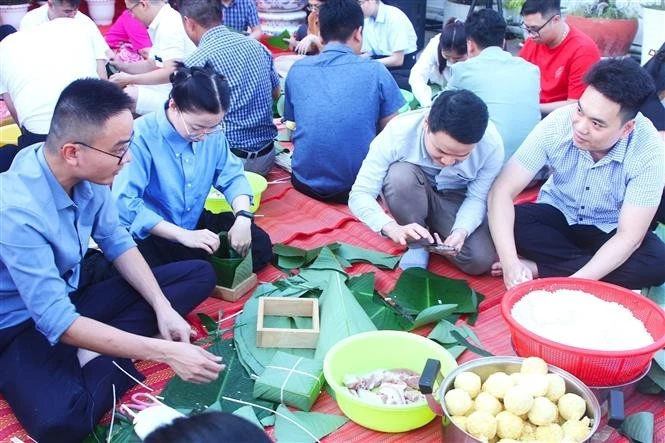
<point x="497" y="384"/>
<point x="543" y="412"/>
<point x="537" y="384"/>
<point x="577" y="430"/>
<point x="481" y="424"/>
<point x="468" y="381"/>
<point x="571" y="406"/>
<point x="518" y="400"/>
<point x="556" y="387"/>
<point x="489" y="403"/>
<point x="508" y="425"/>
<point x="534" y="365"/>
<point x="528" y="432"/>
<point x="458" y="402"/>
<point x="549" y="433"/>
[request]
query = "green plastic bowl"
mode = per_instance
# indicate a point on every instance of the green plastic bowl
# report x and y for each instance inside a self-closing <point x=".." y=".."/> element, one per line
<point x="366" y="352"/>
<point x="216" y="202"/>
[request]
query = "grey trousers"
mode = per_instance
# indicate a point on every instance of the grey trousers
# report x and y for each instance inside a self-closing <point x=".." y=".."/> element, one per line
<point x="261" y="165"/>
<point x="411" y="199"/>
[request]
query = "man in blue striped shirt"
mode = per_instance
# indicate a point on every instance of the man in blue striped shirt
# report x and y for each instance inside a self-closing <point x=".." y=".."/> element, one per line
<point x="592" y="216"/>
<point x="248" y="68"/>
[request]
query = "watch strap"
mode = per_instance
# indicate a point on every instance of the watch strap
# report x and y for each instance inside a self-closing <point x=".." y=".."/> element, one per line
<point x="243" y="213"/>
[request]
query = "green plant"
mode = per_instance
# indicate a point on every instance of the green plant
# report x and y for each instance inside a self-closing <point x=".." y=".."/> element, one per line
<point x="515" y="5"/>
<point x="603" y="9"/>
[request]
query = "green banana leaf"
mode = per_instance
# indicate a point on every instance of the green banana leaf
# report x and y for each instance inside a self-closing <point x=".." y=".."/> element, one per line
<point x="278" y="42"/>
<point x="418" y="289"/>
<point x="639" y="427"/>
<point x="354" y="254"/>
<point x="231" y="268"/>
<point x="310" y="427"/>
<point x="123" y="432"/>
<point x="290" y="257"/>
<point x="247" y="412"/>
<point x="433" y="314"/>
<point x="253" y="358"/>
<point x="341" y="316"/>
<point x="383" y="315"/>
<point x="233" y="382"/>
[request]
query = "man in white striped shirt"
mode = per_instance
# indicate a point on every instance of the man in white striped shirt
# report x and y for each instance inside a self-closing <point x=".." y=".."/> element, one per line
<point x="592" y="216"/>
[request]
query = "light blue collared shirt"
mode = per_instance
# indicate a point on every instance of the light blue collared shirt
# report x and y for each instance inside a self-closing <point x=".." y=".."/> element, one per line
<point x="169" y="177"/>
<point x="403" y="141"/>
<point x="512" y="97"/>
<point x="590" y="192"/>
<point x="45" y="234"/>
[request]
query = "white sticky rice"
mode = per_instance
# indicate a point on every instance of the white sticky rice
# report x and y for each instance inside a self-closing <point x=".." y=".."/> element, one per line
<point x="577" y="318"/>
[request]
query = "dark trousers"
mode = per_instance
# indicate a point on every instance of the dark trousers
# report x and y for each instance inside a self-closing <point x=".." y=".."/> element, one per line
<point x="8" y="152"/>
<point x="543" y="235"/>
<point x="401" y="73"/>
<point x="52" y="396"/>
<point x="337" y="197"/>
<point x="28" y="138"/>
<point x="158" y="251"/>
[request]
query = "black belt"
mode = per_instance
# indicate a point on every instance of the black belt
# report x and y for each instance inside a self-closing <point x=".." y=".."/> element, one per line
<point x="253" y="154"/>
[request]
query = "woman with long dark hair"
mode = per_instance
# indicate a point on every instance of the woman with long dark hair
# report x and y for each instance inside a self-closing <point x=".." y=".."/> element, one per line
<point x="433" y="66"/>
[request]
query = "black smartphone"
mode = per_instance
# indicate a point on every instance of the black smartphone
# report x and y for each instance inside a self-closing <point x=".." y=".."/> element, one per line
<point x="110" y="69"/>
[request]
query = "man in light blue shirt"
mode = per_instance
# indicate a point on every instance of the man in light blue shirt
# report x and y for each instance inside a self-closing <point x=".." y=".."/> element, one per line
<point x="179" y="153"/>
<point x="330" y="140"/>
<point x="509" y="86"/>
<point x="56" y="315"/>
<point x="592" y="216"/>
<point x="435" y="167"/>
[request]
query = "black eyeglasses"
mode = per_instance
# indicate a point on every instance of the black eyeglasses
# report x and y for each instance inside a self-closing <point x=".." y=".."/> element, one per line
<point x="131" y="10"/>
<point x="314" y="8"/>
<point x="535" y="30"/>
<point x="119" y="157"/>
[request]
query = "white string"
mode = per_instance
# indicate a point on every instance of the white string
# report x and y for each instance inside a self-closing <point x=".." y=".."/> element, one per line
<point x="133" y="378"/>
<point x="230" y="317"/>
<point x="276" y="413"/>
<point x="108" y="440"/>
<point x="295" y="370"/>
<point x="286" y="380"/>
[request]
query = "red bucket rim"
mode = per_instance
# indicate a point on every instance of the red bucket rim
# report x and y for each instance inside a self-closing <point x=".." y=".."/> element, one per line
<point x="509" y="299"/>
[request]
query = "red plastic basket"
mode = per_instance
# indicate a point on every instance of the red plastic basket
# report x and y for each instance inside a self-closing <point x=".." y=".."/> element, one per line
<point x="594" y="368"/>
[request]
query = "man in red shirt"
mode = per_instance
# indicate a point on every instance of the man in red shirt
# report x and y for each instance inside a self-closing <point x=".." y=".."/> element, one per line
<point x="562" y="53"/>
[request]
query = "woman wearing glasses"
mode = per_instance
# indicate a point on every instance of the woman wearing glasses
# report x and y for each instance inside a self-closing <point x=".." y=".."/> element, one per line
<point x="177" y="155"/>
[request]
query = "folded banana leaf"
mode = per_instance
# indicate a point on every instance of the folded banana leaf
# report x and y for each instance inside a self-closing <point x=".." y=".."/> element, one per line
<point x="231" y="268"/>
<point x="291" y="380"/>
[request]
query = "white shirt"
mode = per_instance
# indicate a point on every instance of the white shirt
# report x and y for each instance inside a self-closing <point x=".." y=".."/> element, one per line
<point x="426" y="71"/>
<point x="38" y="63"/>
<point x="169" y="40"/>
<point x="402" y="140"/>
<point x="390" y="31"/>
<point x="39" y="16"/>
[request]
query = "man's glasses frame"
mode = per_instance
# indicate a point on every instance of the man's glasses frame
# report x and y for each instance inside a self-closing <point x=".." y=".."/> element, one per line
<point x="119" y="157"/>
<point x="314" y="8"/>
<point x="535" y="30"/>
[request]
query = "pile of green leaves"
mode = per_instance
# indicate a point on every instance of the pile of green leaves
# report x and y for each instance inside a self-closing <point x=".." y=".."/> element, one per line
<point x="348" y="305"/>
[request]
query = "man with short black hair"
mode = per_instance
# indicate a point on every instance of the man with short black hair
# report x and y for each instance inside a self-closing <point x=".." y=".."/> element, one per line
<point x="592" y="216"/>
<point x="563" y="54"/>
<point x="359" y="97"/>
<point x="508" y="85"/>
<point x="67" y="335"/>
<point x="248" y="67"/>
<point x="435" y="167"/>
